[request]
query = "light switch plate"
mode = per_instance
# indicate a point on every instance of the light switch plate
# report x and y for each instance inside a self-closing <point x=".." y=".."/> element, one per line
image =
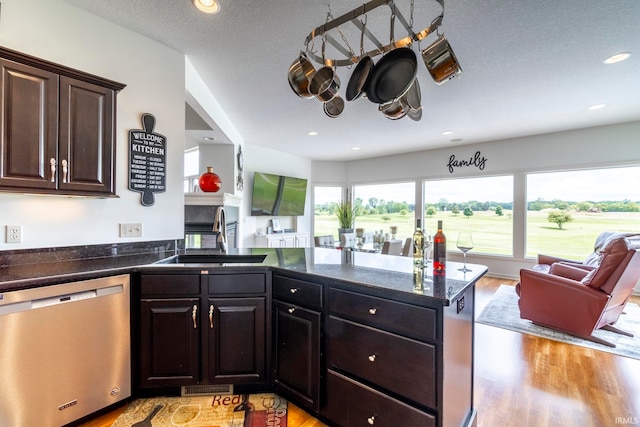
<point x="133" y="229"/>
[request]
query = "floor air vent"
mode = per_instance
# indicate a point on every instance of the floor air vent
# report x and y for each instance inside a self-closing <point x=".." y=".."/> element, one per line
<point x="205" y="390"/>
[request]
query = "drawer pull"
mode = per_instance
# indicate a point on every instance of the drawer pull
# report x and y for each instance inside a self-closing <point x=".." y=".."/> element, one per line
<point x="372" y="311"/>
<point x="293" y="290"/>
<point x="372" y="358"/>
<point x="291" y="310"/>
<point x="371" y="420"/>
<point x="194" y="311"/>
<point x="211" y="316"/>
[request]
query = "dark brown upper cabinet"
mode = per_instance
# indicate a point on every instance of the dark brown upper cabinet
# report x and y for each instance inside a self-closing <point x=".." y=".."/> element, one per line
<point x="58" y="128"/>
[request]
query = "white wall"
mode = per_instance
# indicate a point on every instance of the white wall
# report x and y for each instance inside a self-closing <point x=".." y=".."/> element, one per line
<point x="260" y="159"/>
<point x="58" y="32"/>
<point x="593" y="147"/>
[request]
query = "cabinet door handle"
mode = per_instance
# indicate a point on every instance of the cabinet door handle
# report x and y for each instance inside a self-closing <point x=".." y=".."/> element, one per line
<point x="371" y="420"/>
<point x="291" y="310"/>
<point x="372" y="311"/>
<point x="372" y="358"/>
<point x="194" y="311"/>
<point x="211" y="316"/>
<point x="52" y="163"/>
<point x="65" y="170"/>
<point x="293" y="290"/>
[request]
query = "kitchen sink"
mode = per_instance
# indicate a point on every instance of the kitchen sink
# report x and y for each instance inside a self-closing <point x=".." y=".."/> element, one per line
<point x="214" y="259"/>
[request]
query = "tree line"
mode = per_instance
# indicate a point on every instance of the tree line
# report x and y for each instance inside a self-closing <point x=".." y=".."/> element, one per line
<point x="376" y="206"/>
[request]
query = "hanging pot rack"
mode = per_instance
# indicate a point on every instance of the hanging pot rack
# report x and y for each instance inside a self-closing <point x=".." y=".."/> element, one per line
<point x="326" y="35"/>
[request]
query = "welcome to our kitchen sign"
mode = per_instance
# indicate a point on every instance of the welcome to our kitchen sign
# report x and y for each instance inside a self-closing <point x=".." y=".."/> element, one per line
<point x="147" y="161"/>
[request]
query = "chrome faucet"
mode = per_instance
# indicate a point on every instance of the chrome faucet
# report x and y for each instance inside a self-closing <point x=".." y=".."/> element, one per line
<point x="220" y="228"/>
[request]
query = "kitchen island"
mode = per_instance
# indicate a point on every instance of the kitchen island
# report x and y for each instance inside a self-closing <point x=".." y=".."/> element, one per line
<point x="382" y="344"/>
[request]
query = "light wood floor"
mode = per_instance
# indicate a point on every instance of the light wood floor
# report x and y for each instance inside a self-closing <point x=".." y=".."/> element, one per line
<point x="522" y="380"/>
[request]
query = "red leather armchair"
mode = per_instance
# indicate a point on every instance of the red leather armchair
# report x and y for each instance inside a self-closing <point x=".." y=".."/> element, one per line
<point x="579" y="298"/>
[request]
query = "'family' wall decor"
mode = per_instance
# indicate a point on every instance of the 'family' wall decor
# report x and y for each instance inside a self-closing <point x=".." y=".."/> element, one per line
<point x="147" y="161"/>
<point x="477" y="160"/>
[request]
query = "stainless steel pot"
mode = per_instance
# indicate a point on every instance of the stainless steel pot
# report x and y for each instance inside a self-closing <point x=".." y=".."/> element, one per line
<point x="441" y="61"/>
<point x="324" y="84"/>
<point x="396" y="109"/>
<point x="299" y="74"/>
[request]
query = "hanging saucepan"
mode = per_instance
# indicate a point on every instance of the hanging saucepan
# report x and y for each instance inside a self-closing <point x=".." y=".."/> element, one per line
<point x="395" y="110"/>
<point x="324" y="84"/>
<point x="334" y="107"/>
<point x="360" y="76"/>
<point x="441" y="61"/>
<point x="299" y="74"/>
<point x="393" y="74"/>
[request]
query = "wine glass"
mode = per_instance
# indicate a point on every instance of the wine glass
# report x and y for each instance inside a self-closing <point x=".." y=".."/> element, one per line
<point x="465" y="244"/>
<point x="428" y="242"/>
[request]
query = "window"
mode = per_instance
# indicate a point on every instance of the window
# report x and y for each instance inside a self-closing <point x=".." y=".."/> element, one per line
<point x="483" y="206"/>
<point x="567" y="210"/>
<point x="191" y="169"/>
<point x="385" y="208"/>
<point x="325" y="220"/>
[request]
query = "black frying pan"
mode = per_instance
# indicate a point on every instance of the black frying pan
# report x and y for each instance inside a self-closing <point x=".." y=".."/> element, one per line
<point x="392" y="76"/>
<point x="359" y="78"/>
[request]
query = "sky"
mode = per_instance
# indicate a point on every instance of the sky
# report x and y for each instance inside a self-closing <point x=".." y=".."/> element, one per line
<point x="595" y="185"/>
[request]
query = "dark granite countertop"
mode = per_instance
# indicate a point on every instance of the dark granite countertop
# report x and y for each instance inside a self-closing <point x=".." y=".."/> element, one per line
<point x="381" y="273"/>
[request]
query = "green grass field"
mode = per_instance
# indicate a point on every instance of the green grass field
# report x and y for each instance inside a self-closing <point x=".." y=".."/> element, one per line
<point x="493" y="234"/>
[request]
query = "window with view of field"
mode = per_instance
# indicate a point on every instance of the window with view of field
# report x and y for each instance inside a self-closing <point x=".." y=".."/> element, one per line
<point x="325" y="222"/>
<point x="567" y="210"/>
<point x="377" y="206"/>
<point x="385" y="208"/>
<point x="482" y="206"/>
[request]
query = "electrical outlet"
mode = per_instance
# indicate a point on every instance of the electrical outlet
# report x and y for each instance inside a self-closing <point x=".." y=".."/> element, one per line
<point x="133" y="229"/>
<point x="14" y="234"/>
<point x="460" y="306"/>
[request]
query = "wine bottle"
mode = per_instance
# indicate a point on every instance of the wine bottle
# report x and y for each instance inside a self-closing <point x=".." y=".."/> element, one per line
<point x="439" y="251"/>
<point x="418" y="246"/>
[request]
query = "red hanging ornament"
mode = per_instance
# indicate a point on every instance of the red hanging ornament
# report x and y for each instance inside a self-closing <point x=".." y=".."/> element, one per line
<point x="209" y="181"/>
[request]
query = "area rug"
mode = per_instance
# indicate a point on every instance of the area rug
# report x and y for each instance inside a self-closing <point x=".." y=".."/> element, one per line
<point x="502" y="312"/>
<point x="222" y="410"/>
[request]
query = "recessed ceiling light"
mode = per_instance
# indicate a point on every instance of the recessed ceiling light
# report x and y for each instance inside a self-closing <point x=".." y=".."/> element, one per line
<point x="312" y="133"/>
<point x="355" y="148"/>
<point x="596" y="107"/>
<point x="207" y="6"/>
<point x="208" y="138"/>
<point x="619" y="57"/>
<point x="447" y="132"/>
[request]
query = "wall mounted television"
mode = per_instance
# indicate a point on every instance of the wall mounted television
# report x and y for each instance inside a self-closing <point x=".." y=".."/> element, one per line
<point x="278" y="195"/>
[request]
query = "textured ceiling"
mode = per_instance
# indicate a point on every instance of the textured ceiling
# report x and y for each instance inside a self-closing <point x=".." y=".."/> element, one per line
<point x="529" y="67"/>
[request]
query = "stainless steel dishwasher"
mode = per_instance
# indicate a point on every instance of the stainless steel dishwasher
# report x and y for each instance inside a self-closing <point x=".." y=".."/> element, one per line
<point x="64" y="351"/>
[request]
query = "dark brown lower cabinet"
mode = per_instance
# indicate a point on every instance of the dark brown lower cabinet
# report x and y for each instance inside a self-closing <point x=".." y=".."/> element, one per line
<point x="169" y="342"/>
<point x="297" y="346"/>
<point x="236" y="340"/>
<point x="188" y="336"/>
